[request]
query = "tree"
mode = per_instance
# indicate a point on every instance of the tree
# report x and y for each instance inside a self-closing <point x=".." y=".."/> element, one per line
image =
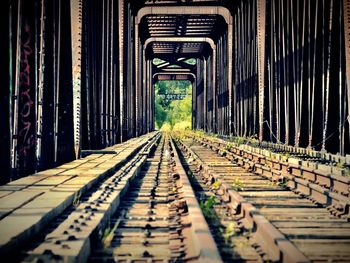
<point x="173" y="111"/>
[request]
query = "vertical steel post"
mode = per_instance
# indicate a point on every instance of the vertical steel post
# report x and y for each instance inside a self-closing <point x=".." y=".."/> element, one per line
<point x="106" y="86"/>
<point x="39" y="95"/>
<point x="261" y="16"/>
<point x="326" y="114"/>
<point x="205" y="94"/>
<point x="346" y="13"/>
<point x="341" y="99"/>
<point x="111" y="76"/>
<point x="149" y="98"/>
<point x="230" y="67"/>
<point x="14" y="135"/>
<point x="144" y="92"/>
<point x="214" y="125"/>
<point x="11" y="96"/>
<point x="57" y="80"/>
<point x="137" y="84"/>
<point x="102" y="84"/>
<point x="76" y="26"/>
<point x="121" y="67"/>
<point x="235" y="111"/>
<point x="311" y="90"/>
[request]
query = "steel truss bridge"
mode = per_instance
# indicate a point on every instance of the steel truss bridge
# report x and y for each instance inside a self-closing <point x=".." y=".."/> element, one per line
<point x="270" y="95"/>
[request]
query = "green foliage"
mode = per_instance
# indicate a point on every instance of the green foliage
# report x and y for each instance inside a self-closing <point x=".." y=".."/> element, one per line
<point x="157" y="61"/>
<point x="76" y="199"/>
<point x="166" y="127"/>
<point x="237" y="185"/>
<point x="191" y="61"/>
<point x="200" y="133"/>
<point x="178" y="113"/>
<point x="230" y="231"/>
<point x="208" y="207"/>
<point x="174" y="66"/>
<point x="182" y="126"/>
<point x="346" y="172"/>
<point x="340" y="165"/>
<point x="287" y="155"/>
<point x="238" y="140"/>
<point x="108" y="234"/>
<point x="345" y="168"/>
<point x="284" y="182"/>
<point x="180" y="110"/>
<point x="160" y="115"/>
<point x="228" y="147"/>
<point x="215" y="185"/>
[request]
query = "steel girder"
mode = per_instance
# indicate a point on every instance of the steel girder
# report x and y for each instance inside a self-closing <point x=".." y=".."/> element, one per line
<point x="192" y="10"/>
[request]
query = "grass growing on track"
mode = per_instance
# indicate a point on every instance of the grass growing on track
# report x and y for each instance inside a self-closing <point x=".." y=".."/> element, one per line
<point x="237" y="185"/>
<point x="207" y="207"/>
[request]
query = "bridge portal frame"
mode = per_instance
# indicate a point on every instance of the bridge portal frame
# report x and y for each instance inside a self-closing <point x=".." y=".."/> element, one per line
<point x="190" y="10"/>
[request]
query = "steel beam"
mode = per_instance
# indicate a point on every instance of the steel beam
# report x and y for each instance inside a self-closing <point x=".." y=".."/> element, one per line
<point x="137" y="84"/>
<point x="205" y="94"/>
<point x="203" y="10"/>
<point x="76" y="28"/>
<point x="230" y="73"/>
<point x="186" y="10"/>
<point x="121" y="66"/>
<point x="346" y="12"/>
<point x="40" y="89"/>
<point x="173" y="73"/>
<point x="214" y="91"/>
<point x="144" y="93"/>
<point x="261" y="21"/>
<point x="208" y="40"/>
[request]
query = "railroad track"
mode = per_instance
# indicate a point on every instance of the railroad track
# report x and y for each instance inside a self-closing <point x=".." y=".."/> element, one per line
<point x="29" y="204"/>
<point x="143" y="212"/>
<point x="232" y="240"/>
<point x="141" y="201"/>
<point x="282" y="225"/>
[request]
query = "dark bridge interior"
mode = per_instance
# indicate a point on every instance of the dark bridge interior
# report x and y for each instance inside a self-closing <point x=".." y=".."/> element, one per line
<point x="263" y="174"/>
<point x="78" y="75"/>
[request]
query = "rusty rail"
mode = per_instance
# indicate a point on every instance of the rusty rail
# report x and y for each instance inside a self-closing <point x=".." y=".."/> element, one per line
<point x="319" y="183"/>
<point x="272" y="242"/>
<point x="144" y="211"/>
<point x="267" y="205"/>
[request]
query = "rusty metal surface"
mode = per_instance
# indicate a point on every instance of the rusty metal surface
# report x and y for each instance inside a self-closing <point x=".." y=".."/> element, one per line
<point x="145" y="210"/>
<point x="324" y="184"/>
<point x="152" y="223"/>
<point x="230" y="236"/>
<point x="298" y="216"/>
<point x="266" y="239"/>
<point x="76" y="31"/>
<point x="346" y="12"/>
<point x="261" y="21"/>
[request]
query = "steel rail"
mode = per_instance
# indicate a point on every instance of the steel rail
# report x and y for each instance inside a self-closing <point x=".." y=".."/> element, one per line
<point x="309" y="184"/>
<point x="274" y="245"/>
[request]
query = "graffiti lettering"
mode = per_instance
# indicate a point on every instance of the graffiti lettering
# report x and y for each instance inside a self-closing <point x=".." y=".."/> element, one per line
<point x="26" y="103"/>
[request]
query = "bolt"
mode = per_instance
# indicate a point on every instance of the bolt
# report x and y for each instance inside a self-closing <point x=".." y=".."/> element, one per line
<point x="146" y="254"/>
<point x="71" y="238"/>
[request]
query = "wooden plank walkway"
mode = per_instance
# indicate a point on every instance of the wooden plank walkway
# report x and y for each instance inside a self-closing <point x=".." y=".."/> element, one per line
<point x="28" y="204"/>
